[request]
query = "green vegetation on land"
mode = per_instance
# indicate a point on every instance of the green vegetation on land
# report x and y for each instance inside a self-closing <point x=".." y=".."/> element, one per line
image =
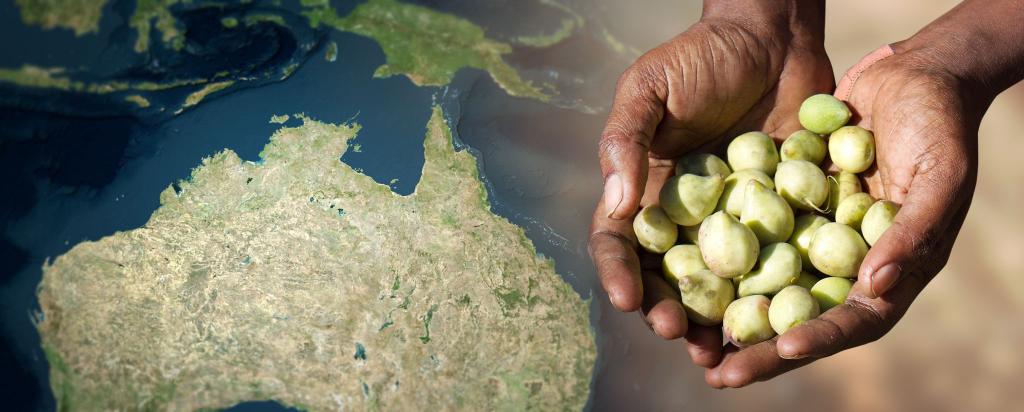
<point x="146" y="11"/>
<point x="138" y="100"/>
<point x="264" y="18"/>
<point x="56" y="78"/>
<point x="331" y="54"/>
<point x="247" y="285"/>
<point x="82" y="16"/>
<point x="569" y="24"/>
<point x="210" y="88"/>
<point x="425" y="45"/>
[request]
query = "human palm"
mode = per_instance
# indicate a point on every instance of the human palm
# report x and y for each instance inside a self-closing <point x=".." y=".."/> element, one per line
<point x="925" y="125"/>
<point x="716" y="80"/>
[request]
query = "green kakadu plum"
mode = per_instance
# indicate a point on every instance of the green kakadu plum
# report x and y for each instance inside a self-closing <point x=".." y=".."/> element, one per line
<point x="728" y="247"/>
<point x="823" y="114"/>
<point x="766" y="213"/>
<point x="803" y="145"/>
<point x="803" y="232"/>
<point x="852" y="209"/>
<point x="807" y="280"/>
<point x="852" y="148"/>
<point x="753" y="150"/>
<point x="681" y="260"/>
<point x="735" y="189"/>
<point x="802" y="184"/>
<point x="690" y="234"/>
<point x="778" y="266"/>
<point x="746" y="321"/>
<point x="840" y="187"/>
<point x="705" y="296"/>
<point x="790" y="307"/>
<point x="654" y="230"/>
<point x="702" y="164"/>
<point x="877" y="220"/>
<point x="837" y="250"/>
<point x="831" y="291"/>
<point x="688" y="199"/>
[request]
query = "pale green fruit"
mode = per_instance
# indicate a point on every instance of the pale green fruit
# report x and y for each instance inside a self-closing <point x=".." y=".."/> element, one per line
<point x="735" y="189"/>
<point x="877" y="220"/>
<point x="791" y="307"/>
<point x="705" y="296"/>
<point x="807" y="280"/>
<point x="728" y="247"/>
<point x="690" y="234"/>
<point x="753" y="150"/>
<point x="688" y="199"/>
<point x="852" y="148"/>
<point x="746" y="321"/>
<point x="852" y="209"/>
<point x="778" y="266"/>
<point x="803" y="232"/>
<point x="840" y="187"/>
<point x="654" y="230"/>
<point x="823" y="113"/>
<point x="803" y="145"/>
<point x="802" y="184"/>
<point x="702" y="164"/>
<point x="831" y="291"/>
<point x="837" y="250"/>
<point x="767" y="214"/>
<point x="681" y="260"/>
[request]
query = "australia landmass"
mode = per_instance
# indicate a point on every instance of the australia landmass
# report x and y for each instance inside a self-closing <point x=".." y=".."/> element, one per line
<point x="300" y="280"/>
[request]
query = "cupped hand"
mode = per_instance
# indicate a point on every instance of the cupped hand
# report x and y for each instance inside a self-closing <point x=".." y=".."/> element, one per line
<point x="723" y="76"/>
<point x="925" y="123"/>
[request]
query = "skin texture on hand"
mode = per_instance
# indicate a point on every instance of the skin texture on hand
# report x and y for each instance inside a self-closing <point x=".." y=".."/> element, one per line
<point x="733" y="72"/>
<point x="925" y="124"/>
<point x="924" y="104"/>
<point x="730" y="73"/>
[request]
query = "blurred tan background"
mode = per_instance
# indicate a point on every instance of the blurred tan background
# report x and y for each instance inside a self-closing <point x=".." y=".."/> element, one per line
<point x="957" y="349"/>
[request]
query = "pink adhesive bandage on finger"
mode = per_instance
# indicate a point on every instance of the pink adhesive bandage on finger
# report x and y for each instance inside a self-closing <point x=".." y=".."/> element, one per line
<point x="845" y="86"/>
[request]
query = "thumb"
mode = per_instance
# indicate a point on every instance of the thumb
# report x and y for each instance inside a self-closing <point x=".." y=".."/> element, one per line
<point x="913" y="244"/>
<point x="626" y="139"/>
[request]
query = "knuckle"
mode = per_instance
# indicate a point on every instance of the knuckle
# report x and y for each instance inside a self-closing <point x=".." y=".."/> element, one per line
<point x="642" y="80"/>
<point x="616" y="141"/>
<point x="601" y="244"/>
<point x="874" y="322"/>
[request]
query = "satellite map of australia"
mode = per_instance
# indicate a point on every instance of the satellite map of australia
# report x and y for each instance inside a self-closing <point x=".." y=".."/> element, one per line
<point x="313" y="205"/>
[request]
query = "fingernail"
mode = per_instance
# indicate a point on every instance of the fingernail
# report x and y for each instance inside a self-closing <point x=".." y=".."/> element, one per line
<point x="614" y="300"/>
<point x="884" y="279"/>
<point x="612" y="194"/>
<point x="792" y="356"/>
<point x="786" y="351"/>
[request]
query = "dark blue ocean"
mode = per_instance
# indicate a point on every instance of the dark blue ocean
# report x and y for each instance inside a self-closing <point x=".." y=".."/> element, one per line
<point x="80" y="168"/>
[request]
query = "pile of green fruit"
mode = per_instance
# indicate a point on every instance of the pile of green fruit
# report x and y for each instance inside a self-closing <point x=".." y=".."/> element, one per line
<point x="756" y="233"/>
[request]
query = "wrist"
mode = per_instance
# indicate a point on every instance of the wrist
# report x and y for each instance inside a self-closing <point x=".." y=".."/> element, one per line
<point x="794" y="22"/>
<point x="977" y="43"/>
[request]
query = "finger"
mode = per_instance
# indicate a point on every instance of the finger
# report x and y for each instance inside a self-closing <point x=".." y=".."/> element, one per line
<point x="662" y="308"/>
<point x="742" y="367"/>
<point x="932" y="201"/>
<point x="704" y="344"/>
<point x="845" y="86"/>
<point x="612" y="247"/>
<point x="635" y="114"/>
<point x="860" y="320"/>
<point x="856" y="322"/>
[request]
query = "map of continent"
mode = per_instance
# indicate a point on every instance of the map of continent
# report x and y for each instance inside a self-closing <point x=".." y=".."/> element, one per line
<point x="299" y="279"/>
